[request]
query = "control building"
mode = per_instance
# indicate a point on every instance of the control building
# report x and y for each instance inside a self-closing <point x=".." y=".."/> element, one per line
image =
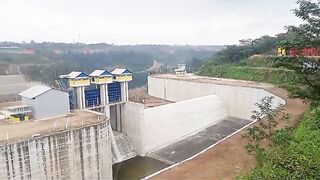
<point x="123" y="76"/>
<point x="44" y="102"/>
<point x="78" y="81"/>
<point x="101" y="78"/>
<point x="99" y="90"/>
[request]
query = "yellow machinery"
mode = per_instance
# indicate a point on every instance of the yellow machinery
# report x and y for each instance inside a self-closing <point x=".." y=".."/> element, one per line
<point x="18" y="113"/>
<point x="18" y="118"/>
<point x="282" y="51"/>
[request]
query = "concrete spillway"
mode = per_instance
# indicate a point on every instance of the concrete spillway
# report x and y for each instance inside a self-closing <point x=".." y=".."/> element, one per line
<point x="76" y="154"/>
<point x="125" y="148"/>
<point x="121" y="147"/>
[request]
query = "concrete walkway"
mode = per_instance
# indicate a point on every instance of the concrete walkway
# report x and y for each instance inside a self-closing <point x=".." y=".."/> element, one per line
<point x="194" y="144"/>
<point x="229" y="159"/>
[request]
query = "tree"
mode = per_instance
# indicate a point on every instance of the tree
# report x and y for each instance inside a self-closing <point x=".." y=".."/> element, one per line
<point x="263" y="133"/>
<point x="308" y="71"/>
<point x="307" y="68"/>
<point x="308" y="34"/>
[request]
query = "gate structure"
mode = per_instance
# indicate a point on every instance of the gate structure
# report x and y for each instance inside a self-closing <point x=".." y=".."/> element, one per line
<point x="92" y="97"/>
<point x="114" y="92"/>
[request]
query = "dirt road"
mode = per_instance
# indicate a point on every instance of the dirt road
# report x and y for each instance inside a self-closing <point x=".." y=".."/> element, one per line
<point x="228" y="159"/>
<point x="156" y="66"/>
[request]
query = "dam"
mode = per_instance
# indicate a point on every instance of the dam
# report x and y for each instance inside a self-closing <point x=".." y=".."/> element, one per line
<point x="181" y="116"/>
<point x="196" y="103"/>
<point x="75" y="154"/>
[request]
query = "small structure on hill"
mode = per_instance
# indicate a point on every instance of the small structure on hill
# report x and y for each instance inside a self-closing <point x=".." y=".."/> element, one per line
<point x="293" y="52"/>
<point x="181" y="70"/>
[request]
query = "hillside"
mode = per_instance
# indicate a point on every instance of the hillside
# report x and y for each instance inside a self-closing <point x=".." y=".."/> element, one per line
<point x="256" y="68"/>
<point x="45" y="61"/>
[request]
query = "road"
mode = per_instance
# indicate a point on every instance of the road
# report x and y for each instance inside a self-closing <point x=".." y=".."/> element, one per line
<point x="156" y="65"/>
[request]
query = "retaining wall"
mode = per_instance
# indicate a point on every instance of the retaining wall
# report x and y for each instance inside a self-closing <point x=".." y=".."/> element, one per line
<point x="132" y="116"/>
<point x="152" y="128"/>
<point x="238" y="100"/>
<point x="197" y="106"/>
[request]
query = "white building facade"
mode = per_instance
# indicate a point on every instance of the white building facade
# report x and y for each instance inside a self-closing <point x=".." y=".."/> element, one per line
<point x="46" y="102"/>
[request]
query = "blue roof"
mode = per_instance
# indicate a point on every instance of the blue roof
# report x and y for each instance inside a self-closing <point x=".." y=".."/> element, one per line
<point x="118" y="71"/>
<point x="82" y="74"/>
<point x="100" y="73"/>
<point x="74" y="74"/>
<point x="127" y="71"/>
<point x="106" y="73"/>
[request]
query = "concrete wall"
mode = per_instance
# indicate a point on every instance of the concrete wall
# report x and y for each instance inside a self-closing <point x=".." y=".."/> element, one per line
<point x="238" y="100"/>
<point x="152" y="128"/>
<point x="53" y="103"/>
<point x="132" y="117"/>
<point x="197" y="106"/>
<point x="77" y="154"/>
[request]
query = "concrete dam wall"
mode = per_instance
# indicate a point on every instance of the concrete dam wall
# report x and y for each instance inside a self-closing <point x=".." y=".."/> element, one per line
<point x="197" y="106"/>
<point x="76" y="154"/>
<point x="153" y="128"/>
<point x="238" y="100"/>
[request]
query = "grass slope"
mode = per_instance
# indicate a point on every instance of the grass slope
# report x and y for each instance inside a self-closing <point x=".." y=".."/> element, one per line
<point x="296" y="155"/>
<point x="256" y="68"/>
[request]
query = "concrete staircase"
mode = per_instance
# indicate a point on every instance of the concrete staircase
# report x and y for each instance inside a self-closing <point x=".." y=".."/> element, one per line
<point x="125" y="148"/>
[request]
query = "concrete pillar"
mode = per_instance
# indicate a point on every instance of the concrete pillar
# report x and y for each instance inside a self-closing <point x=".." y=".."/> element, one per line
<point x="107" y="95"/>
<point x="83" y="98"/>
<point x="127" y="91"/>
<point x="103" y="94"/>
<point x="118" y="117"/>
<point x="124" y="91"/>
<point x="79" y="97"/>
<point x="106" y="107"/>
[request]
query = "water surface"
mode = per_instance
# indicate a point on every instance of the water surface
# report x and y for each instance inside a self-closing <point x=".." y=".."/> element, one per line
<point x="137" y="168"/>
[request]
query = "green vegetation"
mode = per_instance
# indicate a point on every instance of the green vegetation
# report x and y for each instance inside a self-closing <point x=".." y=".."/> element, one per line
<point x="265" y="45"/>
<point x="252" y="60"/>
<point x="12" y="58"/>
<point x="308" y="71"/>
<point x="295" y="155"/>
<point x="45" y="61"/>
<point x="261" y="74"/>
<point x="265" y="134"/>
<point x="258" y="68"/>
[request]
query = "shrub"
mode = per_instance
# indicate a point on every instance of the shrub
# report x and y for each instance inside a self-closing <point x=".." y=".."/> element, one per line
<point x="298" y="157"/>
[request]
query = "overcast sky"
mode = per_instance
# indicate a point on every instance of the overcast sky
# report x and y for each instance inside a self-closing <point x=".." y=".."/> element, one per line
<point x="143" y="21"/>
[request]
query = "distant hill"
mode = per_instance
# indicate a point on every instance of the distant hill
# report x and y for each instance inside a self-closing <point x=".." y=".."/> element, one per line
<point x="45" y="61"/>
